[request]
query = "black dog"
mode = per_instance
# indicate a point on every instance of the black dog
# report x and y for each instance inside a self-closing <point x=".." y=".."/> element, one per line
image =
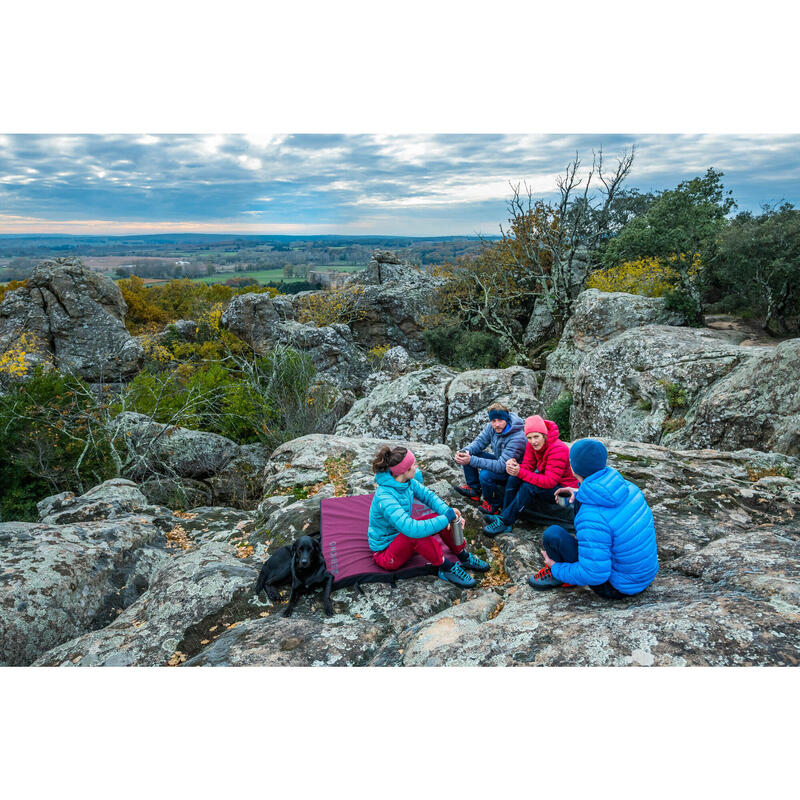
<point x="304" y="563"/>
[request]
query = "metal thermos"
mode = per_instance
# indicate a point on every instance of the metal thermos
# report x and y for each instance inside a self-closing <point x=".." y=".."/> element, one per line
<point x="457" y="529"/>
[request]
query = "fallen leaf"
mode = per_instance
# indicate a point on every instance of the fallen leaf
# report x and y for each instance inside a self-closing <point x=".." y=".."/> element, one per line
<point x="211" y="630"/>
<point x="205" y="641"/>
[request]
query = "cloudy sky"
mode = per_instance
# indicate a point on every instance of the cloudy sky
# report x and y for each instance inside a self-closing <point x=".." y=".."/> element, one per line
<point x="346" y="184"/>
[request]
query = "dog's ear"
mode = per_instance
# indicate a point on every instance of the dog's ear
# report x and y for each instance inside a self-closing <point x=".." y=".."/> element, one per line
<point x="317" y="545"/>
<point x="293" y="547"/>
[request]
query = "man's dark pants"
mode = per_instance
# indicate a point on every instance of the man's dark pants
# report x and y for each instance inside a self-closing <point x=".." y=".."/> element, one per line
<point x="519" y="494"/>
<point x="562" y="546"/>
<point x="490" y="484"/>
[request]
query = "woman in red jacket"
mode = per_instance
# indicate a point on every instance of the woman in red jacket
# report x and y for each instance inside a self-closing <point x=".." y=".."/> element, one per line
<point x="544" y="468"/>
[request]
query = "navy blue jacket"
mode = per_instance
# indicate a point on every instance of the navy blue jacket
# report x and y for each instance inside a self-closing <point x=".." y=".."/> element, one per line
<point x="508" y="444"/>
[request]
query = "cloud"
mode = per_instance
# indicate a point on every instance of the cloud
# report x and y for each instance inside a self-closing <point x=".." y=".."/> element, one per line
<point x="347" y="183"/>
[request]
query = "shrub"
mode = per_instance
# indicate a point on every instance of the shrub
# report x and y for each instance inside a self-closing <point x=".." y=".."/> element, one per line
<point x="52" y="440"/>
<point x="330" y="306"/>
<point x="463" y="349"/>
<point x="558" y="412"/>
<point x="375" y="354"/>
<point x="9" y="287"/>
<point x="676" y="394"/>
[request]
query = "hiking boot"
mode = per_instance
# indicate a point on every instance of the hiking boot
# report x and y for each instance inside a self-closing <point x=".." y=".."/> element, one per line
<point x="467" y="491"/>
<point x="496" y="526"/>
<point x="473" y="562"/>
<point x="544" y="579"/>
<point x="457" y="576"/>
<point x="487" y="509"/>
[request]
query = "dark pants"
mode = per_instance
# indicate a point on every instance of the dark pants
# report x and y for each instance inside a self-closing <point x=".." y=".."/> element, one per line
<point x="563" y="546"/>
<point x="491" y="485"/>
<point x="520" y="495"/>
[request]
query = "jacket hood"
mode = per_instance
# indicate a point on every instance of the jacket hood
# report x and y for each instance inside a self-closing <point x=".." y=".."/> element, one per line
<point x="604" y="488"/>
<point x="552" y="431"/>
<point x="515" y="426"/>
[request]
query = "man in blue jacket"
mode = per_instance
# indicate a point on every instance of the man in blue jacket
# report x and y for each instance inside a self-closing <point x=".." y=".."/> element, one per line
<point x="615" y="550"/>
<point x="485" y="473"/>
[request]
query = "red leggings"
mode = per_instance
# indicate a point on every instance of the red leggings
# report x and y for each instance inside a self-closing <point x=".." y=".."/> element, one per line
<point x="403" y="548"/>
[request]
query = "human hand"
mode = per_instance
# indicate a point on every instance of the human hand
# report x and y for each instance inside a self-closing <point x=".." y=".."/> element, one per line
<point x="566" y="491"/>
<point x="512" y="467"/>
<point x="459" y="516"/>
<point x="548" y="562"/>
<point x="462" y="457"/>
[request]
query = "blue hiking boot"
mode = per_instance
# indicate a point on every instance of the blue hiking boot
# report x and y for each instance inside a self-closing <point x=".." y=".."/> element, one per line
<point x="473" y="562"/>
<point x="544" y="579"/>
<point x="496" y="526"/>
<point x="457" y="576"/>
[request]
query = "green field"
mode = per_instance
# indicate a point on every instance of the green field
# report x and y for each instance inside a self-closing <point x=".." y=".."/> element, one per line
<point x="269" y="275"/>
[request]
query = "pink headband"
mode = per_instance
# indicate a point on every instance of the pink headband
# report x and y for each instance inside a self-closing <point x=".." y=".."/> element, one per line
<point x="408" y="461"/>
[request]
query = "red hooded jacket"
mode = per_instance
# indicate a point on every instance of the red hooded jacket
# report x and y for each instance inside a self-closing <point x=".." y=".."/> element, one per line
<point x="549" y="467"/>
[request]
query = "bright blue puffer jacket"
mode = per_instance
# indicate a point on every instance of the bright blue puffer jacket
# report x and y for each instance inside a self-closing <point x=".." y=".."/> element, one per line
<point x="390" y="512"/>
<point x="616" y="536"/>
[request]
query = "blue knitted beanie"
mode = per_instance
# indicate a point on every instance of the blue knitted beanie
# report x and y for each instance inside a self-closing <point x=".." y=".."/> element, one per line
<point x="587" y="456"/>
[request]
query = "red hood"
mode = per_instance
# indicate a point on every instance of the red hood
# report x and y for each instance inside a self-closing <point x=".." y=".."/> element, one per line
<point x="552" y="430"/>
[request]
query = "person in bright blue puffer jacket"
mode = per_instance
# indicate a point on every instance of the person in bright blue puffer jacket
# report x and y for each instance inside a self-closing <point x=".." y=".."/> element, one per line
<point x="615" y="549"/>
<point x="395" y="536"/>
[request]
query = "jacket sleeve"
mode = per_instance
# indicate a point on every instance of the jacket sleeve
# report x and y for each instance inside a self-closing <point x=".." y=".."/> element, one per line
<point x="397" y="516"/>
<point x="425" y="495"/>
<point x="511" y="448"/>
<point x="481" y="441"/>
<point x="554" y="469"/>
<point x="594" y="553"/>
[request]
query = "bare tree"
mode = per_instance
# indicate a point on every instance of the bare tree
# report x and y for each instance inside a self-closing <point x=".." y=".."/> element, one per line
<point x="551" y="244"/>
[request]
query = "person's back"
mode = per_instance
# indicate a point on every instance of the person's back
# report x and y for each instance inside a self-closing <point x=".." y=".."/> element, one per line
<point x="614" y="519"/>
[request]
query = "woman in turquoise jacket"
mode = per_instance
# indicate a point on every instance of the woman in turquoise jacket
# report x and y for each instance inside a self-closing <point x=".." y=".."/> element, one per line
<point x="614" y="551"/>
<point x="394" y="536"/>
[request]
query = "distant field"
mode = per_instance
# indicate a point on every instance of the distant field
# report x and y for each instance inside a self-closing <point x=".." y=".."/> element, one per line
<point x="267" y="275"/>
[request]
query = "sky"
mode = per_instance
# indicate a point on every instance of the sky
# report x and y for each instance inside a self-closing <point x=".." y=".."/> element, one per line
<point x="410" y="185"/>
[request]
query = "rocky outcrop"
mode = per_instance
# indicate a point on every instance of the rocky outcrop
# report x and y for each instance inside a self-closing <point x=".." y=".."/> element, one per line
<point x="726" y="594"/>
<point x="263" y="322"/>
<point x="471" y="393"/>
<point x="113" y="498"/>
<point x="597" y="317"/>
<point x="187" y="590"/>
<point x="180" y="467"/>
<point x="440" y="405"/>
<point x="58" y="581"/>
<point x="690" y="387"/>
<point x="413" y="406"/>
<point x="395" y="300"/>
<point x="73" y="319"/>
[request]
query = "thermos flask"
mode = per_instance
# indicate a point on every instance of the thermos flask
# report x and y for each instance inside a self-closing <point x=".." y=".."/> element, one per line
<point x="457" y="529"/>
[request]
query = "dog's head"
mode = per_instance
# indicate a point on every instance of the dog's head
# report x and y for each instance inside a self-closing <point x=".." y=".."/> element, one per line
<point x="306" y="552"/>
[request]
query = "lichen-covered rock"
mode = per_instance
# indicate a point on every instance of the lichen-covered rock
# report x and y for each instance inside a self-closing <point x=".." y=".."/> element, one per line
<point x="59" y="581"/>
<point x="75" y="320"/>
<point x="239" y="483"/>
<point x="470" y="393"/>
<point x="171" y="450"/>
<point x="396" y="298"/>
<point x="633" y="385"/>
<point x="189" y="588"/>
<point x="690" y="387"/>
<point x="756" y="405"/>
<point x="597" y="317"/>
<point x="349" y="638"/>
<point x="252" y="317"/>
<point x="113" y="498"/>
<point x="410" y="407"/>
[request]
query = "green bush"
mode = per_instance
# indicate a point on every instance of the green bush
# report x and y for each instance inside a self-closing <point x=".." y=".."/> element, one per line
<point x="464" y="349"/>
<point x="52" y="440"/>
<point x="558" y="412"/>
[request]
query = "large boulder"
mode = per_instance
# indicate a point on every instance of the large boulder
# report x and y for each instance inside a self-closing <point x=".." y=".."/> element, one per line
<point x="113" y="498"/>
<point x="59" y="581"/>
<point x="597" y="317"/>
<point x="471" y="393"/>
<point x="190" y="589"/>
<point x="413" y="406"/>
<point x="263" y="322"/>
<point x="396" y="298"/>
<point x="690" y="387"/>
<point x="72" y="318"/>
<point x="440" y="405"/>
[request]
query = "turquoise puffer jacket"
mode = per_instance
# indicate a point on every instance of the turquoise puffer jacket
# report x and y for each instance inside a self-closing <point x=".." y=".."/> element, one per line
<point x="390" y="512"/>
<point x="616" y="536"/>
